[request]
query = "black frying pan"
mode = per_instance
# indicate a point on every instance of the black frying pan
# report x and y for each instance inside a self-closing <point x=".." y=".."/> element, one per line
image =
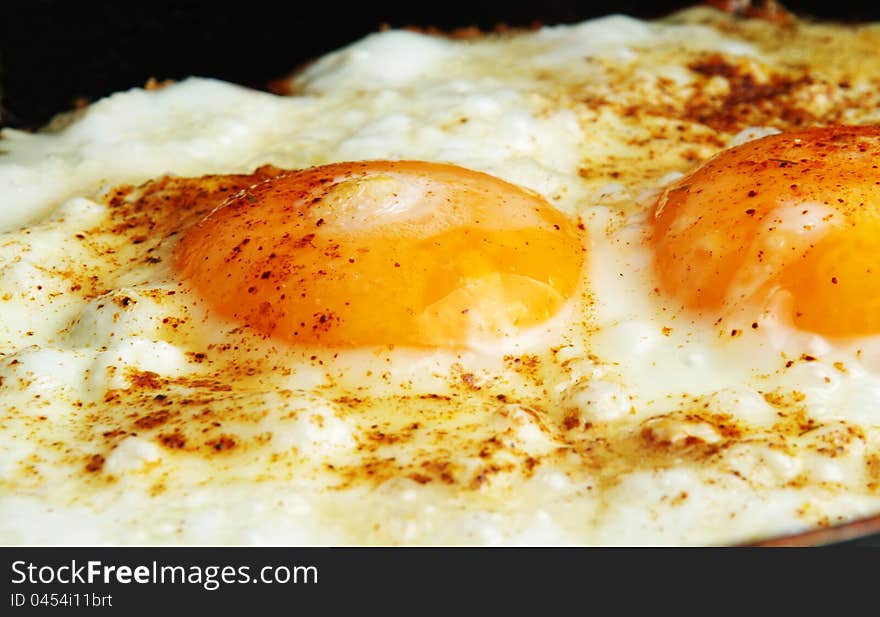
<point x="56" y="53"/>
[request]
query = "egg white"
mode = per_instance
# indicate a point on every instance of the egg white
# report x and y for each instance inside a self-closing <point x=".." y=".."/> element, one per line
<point x="612" y="423"/>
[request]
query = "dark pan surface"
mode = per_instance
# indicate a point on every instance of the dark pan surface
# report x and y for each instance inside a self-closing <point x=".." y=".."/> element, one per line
<point x="861" y="532"/>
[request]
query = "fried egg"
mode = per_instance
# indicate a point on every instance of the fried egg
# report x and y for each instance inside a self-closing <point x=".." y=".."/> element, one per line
<point x="803" y="246"/>
<point x="602" y="283"/>
<point x="384" y="253"/>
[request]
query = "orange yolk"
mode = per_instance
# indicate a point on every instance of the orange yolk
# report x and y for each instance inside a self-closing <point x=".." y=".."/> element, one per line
<point x="789" y="224"/>
<point x="376" y="253"/>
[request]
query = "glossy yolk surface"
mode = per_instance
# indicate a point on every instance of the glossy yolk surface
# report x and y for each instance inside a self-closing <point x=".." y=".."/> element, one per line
<point x="787" y="223"/>
<point x="406" y="253"/>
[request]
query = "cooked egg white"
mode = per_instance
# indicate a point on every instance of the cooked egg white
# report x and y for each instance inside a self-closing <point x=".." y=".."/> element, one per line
<point x="556" y="389"/>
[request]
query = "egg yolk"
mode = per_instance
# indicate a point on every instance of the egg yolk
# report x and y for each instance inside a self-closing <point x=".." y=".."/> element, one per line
<point x="788" y="224"/>
<point x="384" y="253"/>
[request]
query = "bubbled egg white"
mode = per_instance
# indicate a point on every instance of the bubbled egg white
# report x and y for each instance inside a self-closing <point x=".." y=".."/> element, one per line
<point x="134" y="411"/>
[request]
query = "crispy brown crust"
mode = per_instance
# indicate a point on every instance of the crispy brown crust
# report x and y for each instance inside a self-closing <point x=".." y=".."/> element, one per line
<point x="769" y="10"/>
<point x="468" y="32"/>
<point x="155" y="84"/>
